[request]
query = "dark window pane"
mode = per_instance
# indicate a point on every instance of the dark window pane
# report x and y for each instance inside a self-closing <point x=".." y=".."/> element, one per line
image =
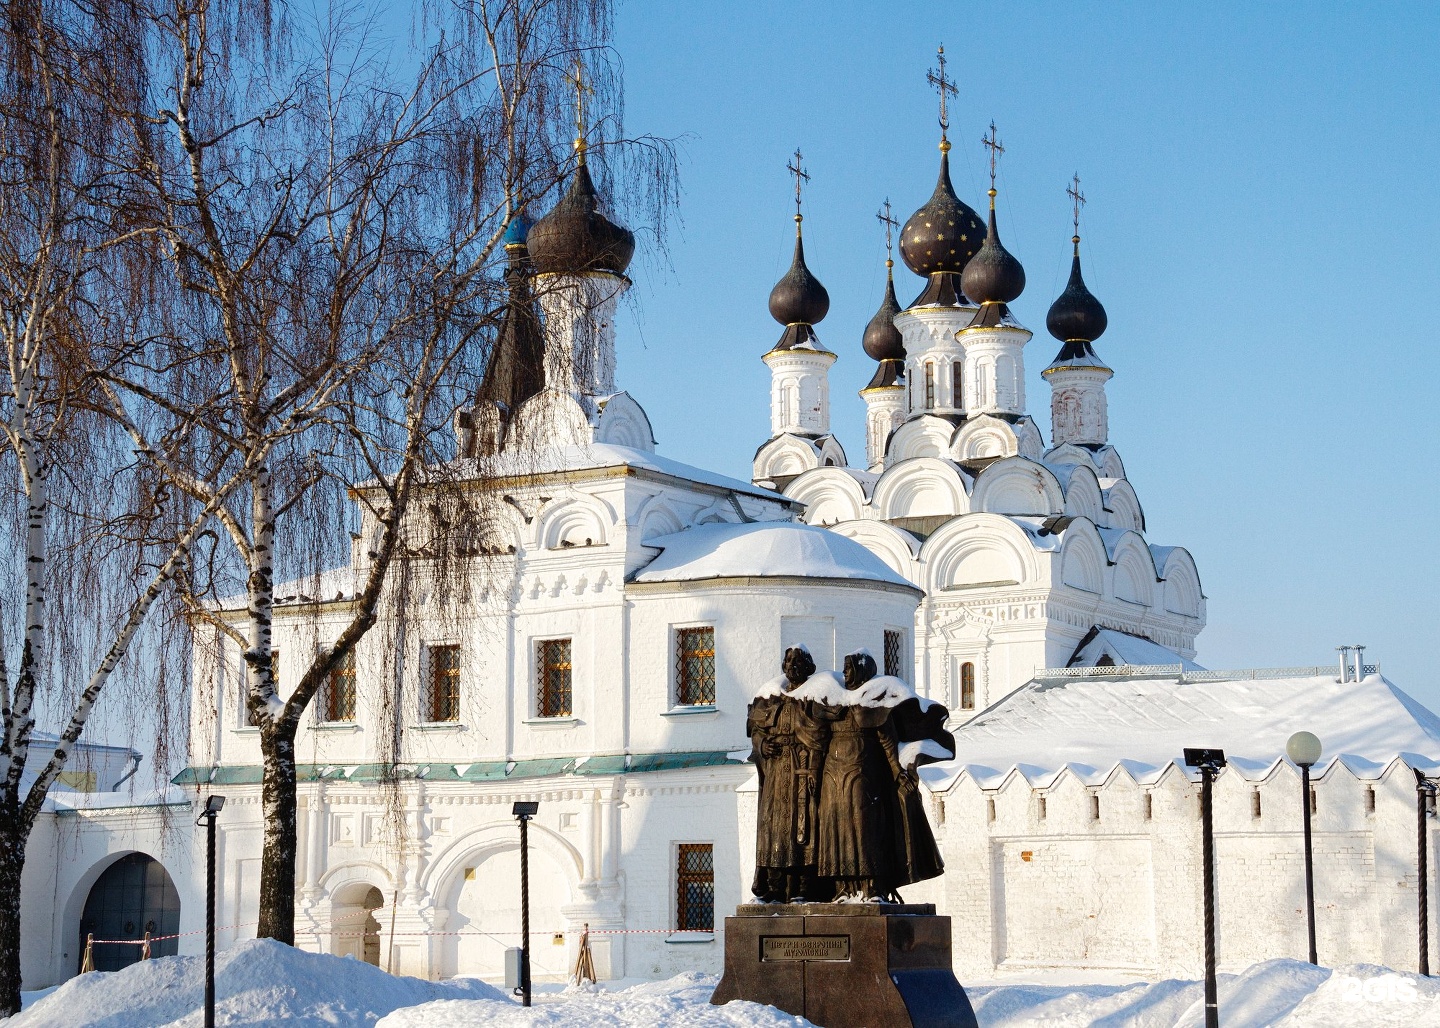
<point x="444" y="683"/>
<point x="895" y="653"/>
<point x="340" y="691"/>
<point x="695" y="888"/>
<point x="695" y="666"/>
<point x="552" y="670"/>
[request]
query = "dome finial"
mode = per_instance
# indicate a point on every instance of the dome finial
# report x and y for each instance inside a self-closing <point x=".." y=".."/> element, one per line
<point x="582" y="89"/>
<point x="996" y="149"/>
<point x="1078" y="198"/>
<point x="886" y="219"/>
<point x="797" y="169"/>
<point x="946" y="88"/>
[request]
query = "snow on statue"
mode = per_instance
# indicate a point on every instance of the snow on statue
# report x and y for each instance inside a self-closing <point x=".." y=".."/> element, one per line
<point x="840" y="811"/>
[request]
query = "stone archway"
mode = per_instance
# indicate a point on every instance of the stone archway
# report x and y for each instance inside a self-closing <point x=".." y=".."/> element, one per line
<point x="132" y="896"/>
<point x="483" y="909"/>
<point x="356" y="931"/>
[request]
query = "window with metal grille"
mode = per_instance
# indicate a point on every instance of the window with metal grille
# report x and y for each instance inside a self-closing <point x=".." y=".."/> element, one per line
<point x="444" y="683"/>
<point x="340" y="691"/>
<point x="894" y="653"/>
<point x="929" y="385"/>
<point x="694" y="666"/>
<point x="967" y="686"/>
<point x="695" y="888"/>
<point x="552" y="672"/>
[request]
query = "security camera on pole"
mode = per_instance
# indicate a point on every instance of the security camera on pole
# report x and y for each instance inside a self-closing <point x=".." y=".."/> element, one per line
<point x="1209" y="762"/>
<point x="207" y="818"/>
<point x="524" y="810"/>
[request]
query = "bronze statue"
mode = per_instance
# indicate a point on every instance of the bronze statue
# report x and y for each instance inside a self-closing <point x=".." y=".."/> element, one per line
<point x="841" y="812"/>
<point x="788" y="750"/>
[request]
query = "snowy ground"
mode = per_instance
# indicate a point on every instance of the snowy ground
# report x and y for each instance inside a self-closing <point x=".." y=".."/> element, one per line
<point x="264" y="983"/>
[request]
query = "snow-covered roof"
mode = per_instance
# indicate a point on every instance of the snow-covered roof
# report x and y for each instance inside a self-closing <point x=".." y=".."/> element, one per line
<point x="763" y="549"/>
<point x="552" y="460"/>
<point x="1093" y="725"/>
<point x="1124" y="648"/>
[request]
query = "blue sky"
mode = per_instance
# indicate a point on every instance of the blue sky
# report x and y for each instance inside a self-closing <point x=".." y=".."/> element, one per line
<point x="1262" y="229"/>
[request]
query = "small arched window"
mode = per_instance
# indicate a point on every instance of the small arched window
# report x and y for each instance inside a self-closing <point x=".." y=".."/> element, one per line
<point x="929" y="385"/>
<point x="958" y="398"/>
<point x="967" y="686"/>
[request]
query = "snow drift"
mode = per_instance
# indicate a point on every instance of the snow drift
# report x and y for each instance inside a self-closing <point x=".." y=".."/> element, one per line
<point x="257" y="983"/>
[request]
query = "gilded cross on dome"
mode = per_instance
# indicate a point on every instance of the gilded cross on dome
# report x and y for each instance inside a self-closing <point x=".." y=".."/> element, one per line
<point x="946" y="88"/>
<point x="992" y="143"/>
<point x="885" y="218"/>
<point x="576" y="78"/>
<point x="801" y="175"/>
<point x="1078" y="198"/>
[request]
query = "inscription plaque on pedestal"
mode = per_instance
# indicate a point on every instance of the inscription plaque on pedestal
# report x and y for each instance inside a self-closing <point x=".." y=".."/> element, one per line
<point x="805" y="947"/>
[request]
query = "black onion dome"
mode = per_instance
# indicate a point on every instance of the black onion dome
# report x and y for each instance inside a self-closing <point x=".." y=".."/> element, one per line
<point x="883" y="341"/>
<point x="993" y="274"/>
<point x="516" y="368"/>
<point x="1076" y="316"/>
<point x="575" y="237"/>
<point x="799" y="298"/>
<point x="944" y="234"/>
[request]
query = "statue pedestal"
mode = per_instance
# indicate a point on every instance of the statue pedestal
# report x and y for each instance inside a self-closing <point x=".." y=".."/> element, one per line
<point x="845" y="965"/>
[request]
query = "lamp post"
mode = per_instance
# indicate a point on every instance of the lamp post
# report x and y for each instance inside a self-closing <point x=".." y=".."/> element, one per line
<point x="1304" y="749"/>
<point x="1424" y="807"/>
<point x="1209" y="762"/>
<point x="207" y="817"/>
<point x="524" y="810"/>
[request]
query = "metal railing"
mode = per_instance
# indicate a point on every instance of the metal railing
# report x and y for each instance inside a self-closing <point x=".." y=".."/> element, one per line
<point x="1178" y="672"/>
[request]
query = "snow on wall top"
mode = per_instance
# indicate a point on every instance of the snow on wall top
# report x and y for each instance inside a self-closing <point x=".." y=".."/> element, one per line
<point x="1092" y="726"/>
<point x="763" y="549"/>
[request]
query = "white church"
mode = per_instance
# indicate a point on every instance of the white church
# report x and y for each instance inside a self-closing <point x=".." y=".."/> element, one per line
<point x="605" y="669"/>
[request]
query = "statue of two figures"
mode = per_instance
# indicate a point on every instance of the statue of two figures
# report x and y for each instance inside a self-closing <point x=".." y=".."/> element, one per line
<point x="841" y="815"/>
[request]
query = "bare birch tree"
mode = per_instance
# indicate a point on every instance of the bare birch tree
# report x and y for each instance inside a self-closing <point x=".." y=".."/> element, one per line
<point x="328" y="223"/>
<point x="75" y="552"/>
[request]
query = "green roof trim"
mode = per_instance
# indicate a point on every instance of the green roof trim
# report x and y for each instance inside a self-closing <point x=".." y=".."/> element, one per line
<point x="480" y="771"/>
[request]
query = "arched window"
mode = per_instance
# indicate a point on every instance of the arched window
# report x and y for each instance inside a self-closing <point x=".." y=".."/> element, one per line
<point x="967" y="686"/>
<point x="929" y="385"/>
<point x="958" y="398"/>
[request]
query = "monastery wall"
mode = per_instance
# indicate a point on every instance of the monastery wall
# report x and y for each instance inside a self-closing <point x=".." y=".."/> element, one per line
<point x="1050" y="884"/>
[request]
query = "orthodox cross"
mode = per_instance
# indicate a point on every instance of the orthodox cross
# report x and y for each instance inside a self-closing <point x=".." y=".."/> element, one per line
<point x="582" y="90"/>
<point x="993" y="145"/>
<point x="946" y="88"/>
<point x="801" y="175"/>
<point x="890" y="225"/>
<point x="1078" y="198"/>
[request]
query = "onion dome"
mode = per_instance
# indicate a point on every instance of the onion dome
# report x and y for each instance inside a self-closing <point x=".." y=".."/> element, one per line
<point x="993" y="275"/>
<point x="516" y="232"/>
<point x="940" y="238"/>
<point x="798" y="300"/>
<point x="1076" y="318"/>
<point x="883" y="341"/>
<point x="516" y="368"/>
<point x="575" y="238"/>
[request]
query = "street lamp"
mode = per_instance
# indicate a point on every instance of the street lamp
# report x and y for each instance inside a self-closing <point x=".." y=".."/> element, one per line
<point x="1304" y="749"/>
<point x="524" y="810"/>
<point x="1209" y="762"/>
<point x="1424" y="806"/>
<point x="207" y="817"/>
